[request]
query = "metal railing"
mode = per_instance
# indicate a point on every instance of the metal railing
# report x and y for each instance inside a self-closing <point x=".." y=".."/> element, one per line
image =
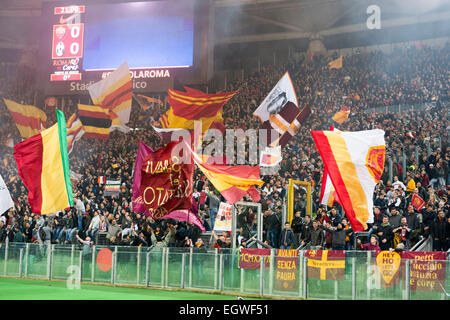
<point x="216" y="270"/>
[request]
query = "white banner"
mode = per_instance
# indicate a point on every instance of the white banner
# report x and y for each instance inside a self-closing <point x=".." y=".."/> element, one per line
<point x="5" y="197"/>
<point x="224" y="217"/>
<point x="277" y="98"/>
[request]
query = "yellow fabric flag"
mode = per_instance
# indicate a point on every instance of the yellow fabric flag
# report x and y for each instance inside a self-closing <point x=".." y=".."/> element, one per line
<point x="341" y="116"/>
<point x="336" y="64"/>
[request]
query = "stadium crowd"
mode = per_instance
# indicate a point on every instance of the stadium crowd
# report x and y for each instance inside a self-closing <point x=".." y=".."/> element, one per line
<point x="410" y="76"/>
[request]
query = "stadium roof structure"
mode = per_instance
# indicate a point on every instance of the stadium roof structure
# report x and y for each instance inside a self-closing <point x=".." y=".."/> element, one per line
<point x="249" y="27"/>
<point x="338" y="22"/>
<point x="250" y="21"/>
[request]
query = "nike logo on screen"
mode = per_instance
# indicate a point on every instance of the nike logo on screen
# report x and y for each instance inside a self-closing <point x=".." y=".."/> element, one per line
<point x="64" y="21"/>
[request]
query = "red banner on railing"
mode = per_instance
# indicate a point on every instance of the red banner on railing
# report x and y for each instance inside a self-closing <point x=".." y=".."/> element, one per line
<point x="427" y="270"/>
<point x="326" y="264"/>
<point x="287" y="267"/>
<point x="251" y="258"/>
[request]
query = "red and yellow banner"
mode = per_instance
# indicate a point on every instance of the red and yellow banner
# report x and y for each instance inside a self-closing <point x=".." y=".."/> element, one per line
<point x="417" y="202"/>
<point x="251" y="258"/>
<point x="29" y="119"/>
<point x="233" y="182"/>
<point x="326" y="264"/>
<point x="427" y="270"/>
<point x="166" y="182"/>
<point x="186" y="107"/>
<point x="355" y="163"/>
<point x="115" y="92"/>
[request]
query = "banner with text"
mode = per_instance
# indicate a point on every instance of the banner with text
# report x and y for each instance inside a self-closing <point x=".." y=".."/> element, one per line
<point x="287" y="270"/>
<point x="251" y="258"/>
<point x="224" y="217"/>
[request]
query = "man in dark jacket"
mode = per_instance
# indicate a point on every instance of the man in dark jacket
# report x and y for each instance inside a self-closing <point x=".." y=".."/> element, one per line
<point x="413" y="222"/>
<point x="315" y="236"/>
<point x="339" y="233"/>
<point x="28" y="232"/>
<point x="385" y="234"/>
<point x="439" y="231"/>
<point x="297" y="227"/>
<point x="335" y="217"/>
<point x="273" y="228"/>
<point x="287" y="237"/>
<point x="428" y="216"/>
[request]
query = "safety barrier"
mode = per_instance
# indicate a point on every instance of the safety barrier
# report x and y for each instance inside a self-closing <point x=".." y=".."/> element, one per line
<point x="297" y="274"/>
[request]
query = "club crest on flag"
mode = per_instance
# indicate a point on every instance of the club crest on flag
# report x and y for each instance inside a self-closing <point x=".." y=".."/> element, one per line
<point x="375" y="161"/>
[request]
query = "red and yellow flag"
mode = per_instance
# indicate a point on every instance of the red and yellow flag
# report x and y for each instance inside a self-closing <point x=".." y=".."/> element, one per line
<point x="187" y="107"/>
<point x="233" y="182"/>
<point x="115" y="92"/>
<point x="43" y="165"/>
<point x="417" y="202"/>
<point x="29" y="119"/>
<point x="355" y="163"/>
<point x="326" y="264"/>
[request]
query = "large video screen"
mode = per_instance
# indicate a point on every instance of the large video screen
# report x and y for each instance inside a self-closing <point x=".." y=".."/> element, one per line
<point x="88" y="40"/>
<point x="145" y="34"/>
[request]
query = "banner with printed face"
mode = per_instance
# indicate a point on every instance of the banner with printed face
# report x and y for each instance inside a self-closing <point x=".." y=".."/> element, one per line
<point x="224" y="217"/>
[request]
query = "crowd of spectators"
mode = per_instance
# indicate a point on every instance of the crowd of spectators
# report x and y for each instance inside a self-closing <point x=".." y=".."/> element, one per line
<point x="410" y="76"/>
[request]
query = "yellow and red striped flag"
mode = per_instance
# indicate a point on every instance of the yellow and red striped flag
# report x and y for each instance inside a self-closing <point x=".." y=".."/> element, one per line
<point x="29" y="119"/>
<point x="186" y="107"/>
<point x="43" y="165"/>
<point x="355" y="163"/>
<point x="328" y="195"/>
<point x="115" y="92"/>
<point x="233" y="182"/>
<point x="74" y="131"/>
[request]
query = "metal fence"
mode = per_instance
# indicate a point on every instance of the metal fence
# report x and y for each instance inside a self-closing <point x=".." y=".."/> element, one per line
<point x="213" y="271"/>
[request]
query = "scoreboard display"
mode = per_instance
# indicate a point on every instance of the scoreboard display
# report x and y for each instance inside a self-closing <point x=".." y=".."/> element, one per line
<point x="83" y="42"/>
<point x="67" y="43"/>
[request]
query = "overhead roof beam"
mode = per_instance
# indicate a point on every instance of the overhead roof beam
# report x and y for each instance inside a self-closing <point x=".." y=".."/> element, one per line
<point x="444" y="16"/>
<point x="277" y="23"/>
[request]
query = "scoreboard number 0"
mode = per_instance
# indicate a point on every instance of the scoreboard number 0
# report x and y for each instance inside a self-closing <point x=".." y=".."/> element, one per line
<point x="74" y="48"/>
<point x="75" y="31"/>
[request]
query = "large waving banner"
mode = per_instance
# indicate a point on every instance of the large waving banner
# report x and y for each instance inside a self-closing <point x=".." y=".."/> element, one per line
<point x="166" y="183"/>
<point x="355" y="163"/>
<point x="5" y="197"/>
<point x="137" y="202"/>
